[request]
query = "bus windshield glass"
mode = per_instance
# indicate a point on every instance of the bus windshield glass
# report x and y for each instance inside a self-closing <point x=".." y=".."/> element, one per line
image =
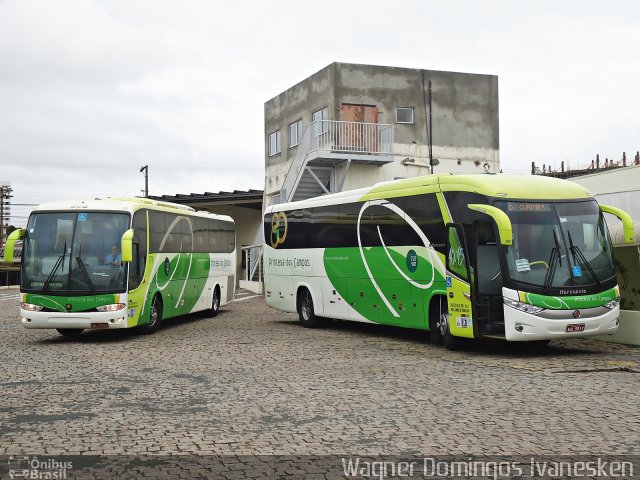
<point x="558" y="244"/>
<point x="74" y="253"/>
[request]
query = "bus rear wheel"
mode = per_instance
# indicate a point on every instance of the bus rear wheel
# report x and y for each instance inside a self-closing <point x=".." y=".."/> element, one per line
<point x="70" y="332"/>
<point x="306" y="313"/>
<point x="155" y="317"/>
<point x="215" y="302"/>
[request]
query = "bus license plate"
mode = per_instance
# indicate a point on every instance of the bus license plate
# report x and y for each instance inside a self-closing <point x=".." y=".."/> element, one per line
<point x="575" y="327"/>
<point x="105" y="325"/>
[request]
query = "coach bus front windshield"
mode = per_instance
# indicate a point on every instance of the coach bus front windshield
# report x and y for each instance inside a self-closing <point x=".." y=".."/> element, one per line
<point x="74" y="253"/>
<point x="558" y="244"/>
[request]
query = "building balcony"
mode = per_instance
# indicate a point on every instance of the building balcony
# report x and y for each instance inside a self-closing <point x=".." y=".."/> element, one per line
<point x="328" y="147"/>
<point x="358" y="142"/>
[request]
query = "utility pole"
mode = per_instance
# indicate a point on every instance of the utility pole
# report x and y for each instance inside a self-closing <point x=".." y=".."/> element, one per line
<point x="430" y="130"/>
<point x="428" y="107"/>
<point x="145" y="169"/>
<point x="5" y="209"/>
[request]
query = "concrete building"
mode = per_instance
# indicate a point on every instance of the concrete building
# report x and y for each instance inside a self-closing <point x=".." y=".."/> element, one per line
<point x="349" y="126"/>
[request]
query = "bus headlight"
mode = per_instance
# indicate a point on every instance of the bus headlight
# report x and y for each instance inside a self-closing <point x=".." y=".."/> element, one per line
<point x="613" y="303"/>
<point x="111" y="308"/>
<point x="30" y="307"/>
<point x="523" y="307"/>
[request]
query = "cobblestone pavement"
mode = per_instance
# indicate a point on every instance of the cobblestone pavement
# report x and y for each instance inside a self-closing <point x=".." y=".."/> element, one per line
<point x="252" y="381"/>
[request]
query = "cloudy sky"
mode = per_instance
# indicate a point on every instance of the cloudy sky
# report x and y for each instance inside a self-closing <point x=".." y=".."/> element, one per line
<point x="92" y="90"/>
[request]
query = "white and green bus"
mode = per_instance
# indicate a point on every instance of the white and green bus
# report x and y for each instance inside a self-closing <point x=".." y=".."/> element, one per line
<point x="522" y="258"/>
<point x="122" y="263"/>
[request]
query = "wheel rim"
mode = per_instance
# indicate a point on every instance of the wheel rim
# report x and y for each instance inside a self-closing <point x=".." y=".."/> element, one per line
<point x="153" y="317"/>
<point x="306" y="308"/>
<point x="443" y="324"/>
<point x="216" y="301"/>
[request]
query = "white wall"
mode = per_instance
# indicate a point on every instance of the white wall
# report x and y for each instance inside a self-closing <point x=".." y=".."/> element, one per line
<point x="618" y="188"/>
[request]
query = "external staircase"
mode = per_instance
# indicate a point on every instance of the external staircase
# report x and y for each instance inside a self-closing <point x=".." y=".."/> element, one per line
<point x="327" y="150"/>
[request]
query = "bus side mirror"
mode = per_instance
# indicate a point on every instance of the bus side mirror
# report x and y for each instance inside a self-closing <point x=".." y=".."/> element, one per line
<point x="627" y="221"/>
<point x="502" y="221"/>
<point x="11" y="243"/>
<point x="126" y="245"/>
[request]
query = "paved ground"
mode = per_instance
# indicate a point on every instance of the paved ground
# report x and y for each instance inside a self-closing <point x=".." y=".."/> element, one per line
<point x="252" y="381"/>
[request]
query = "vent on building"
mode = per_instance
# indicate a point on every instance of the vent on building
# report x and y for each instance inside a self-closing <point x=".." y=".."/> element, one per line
<point x="404" y="115"/>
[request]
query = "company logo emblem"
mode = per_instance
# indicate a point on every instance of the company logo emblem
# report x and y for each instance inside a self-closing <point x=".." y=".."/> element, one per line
<point x="279" y="227"/>
<point x="34" y="467"/>
<point x="167" y="266"/>
<point x="68" y="306"/>
<point x="412" y="261"/>
<point x="576" y="314"/>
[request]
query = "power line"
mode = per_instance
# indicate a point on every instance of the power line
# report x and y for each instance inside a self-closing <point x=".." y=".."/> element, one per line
<point x="128" y="166"/>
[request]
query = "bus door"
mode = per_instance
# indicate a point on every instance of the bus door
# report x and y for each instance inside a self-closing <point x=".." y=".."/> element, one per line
<point x="489" y="312"/>
<point x="458" y="280"/>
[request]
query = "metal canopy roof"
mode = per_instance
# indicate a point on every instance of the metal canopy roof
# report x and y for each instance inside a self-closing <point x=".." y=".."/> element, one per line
<point x="241" y="198"/>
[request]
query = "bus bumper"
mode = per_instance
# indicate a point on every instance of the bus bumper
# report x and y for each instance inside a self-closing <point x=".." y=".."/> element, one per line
<point x="86" y="320"/>
<point x="522" y="327"/>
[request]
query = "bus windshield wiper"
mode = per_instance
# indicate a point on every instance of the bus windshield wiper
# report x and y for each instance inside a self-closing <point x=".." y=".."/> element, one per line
<point x="555" y="239"/>
<point x="554" y="259"/>
<point x="580" y="258"/>
<point x="83" y="269"/>
<point x="55" y="268"/>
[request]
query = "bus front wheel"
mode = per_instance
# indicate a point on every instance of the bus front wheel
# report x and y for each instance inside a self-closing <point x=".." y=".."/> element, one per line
<point x="434" y="321"/>
<point x="70" y="332"/>
<point x="155" y="317"/>
<point x="451" y="342"/>
<point x="306" y="313"/>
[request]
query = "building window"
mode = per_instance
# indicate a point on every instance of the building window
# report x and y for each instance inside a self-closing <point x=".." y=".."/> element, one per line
<point x="294" y="133"/>
<point x="404" y="115"/>
<point x="274" y="143"/>
<point x="320" y="125"/>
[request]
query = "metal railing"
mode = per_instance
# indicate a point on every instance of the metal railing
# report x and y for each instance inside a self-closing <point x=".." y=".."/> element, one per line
<point x="253" y="262"/>
<point x="296" y="167"/>
<point x="352" y="137"/>
<point x="337" y="137"/>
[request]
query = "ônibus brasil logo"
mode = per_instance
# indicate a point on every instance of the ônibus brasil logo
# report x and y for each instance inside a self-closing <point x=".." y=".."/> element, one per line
<point x="278" y="229"/>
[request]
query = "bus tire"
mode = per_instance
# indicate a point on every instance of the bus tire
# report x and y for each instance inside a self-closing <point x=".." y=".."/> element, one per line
<point x="450" y="342"/>
<point x="435" y="336"/>
<point x="306" y="313"/>
<point x="215" y="302"/>
<point x="70" y="332"/>
<point x="155" y="317"/>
